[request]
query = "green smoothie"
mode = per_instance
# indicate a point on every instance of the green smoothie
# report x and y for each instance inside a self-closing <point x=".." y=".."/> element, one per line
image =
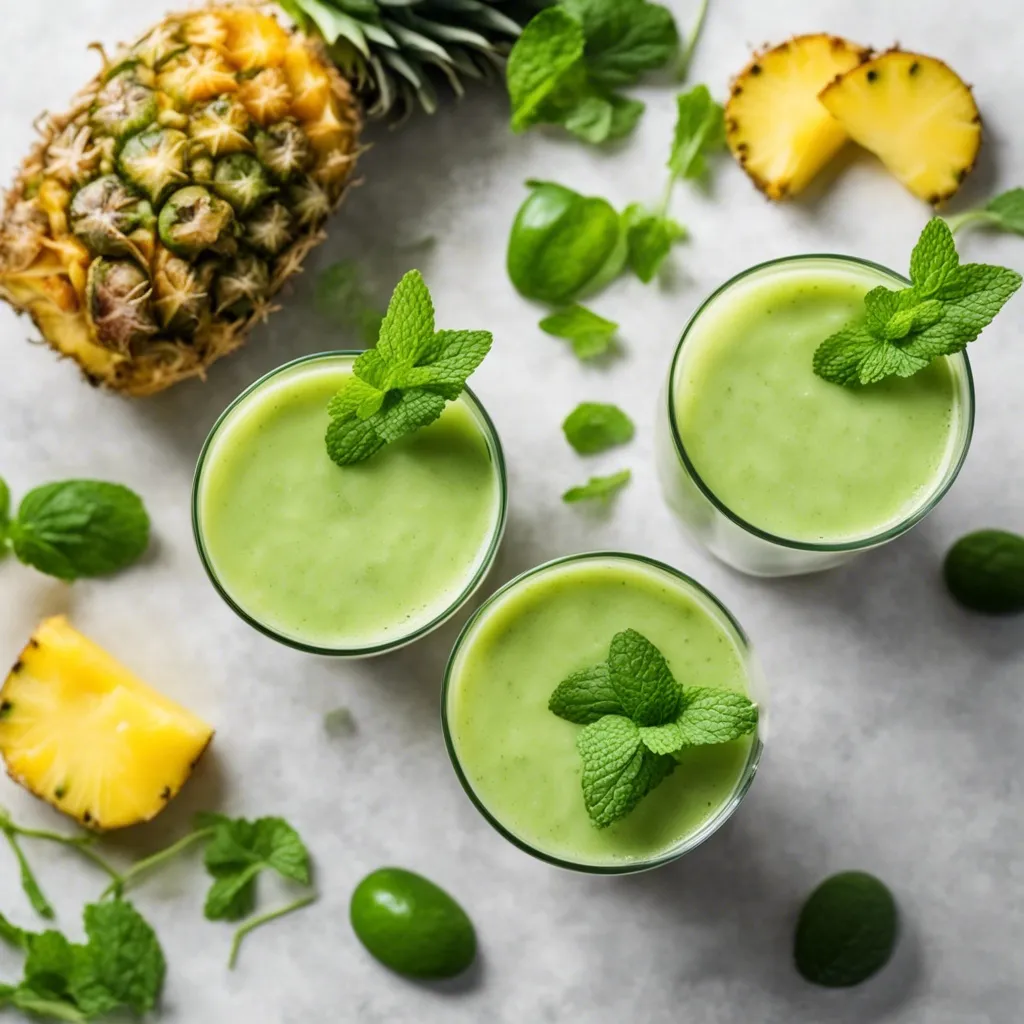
<point x="345" y="559"/>
<point x="787" y="452"/>
<point x="520" y="760"/>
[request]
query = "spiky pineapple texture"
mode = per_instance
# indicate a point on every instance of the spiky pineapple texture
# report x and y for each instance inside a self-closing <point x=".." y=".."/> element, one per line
<point x="150" y="228"/>
<point x="395" y="50"/>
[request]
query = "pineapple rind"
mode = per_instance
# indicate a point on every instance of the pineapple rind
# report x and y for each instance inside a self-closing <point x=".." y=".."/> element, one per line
<point x="84" y="734"/>
<point x="43" y="267"/>
<point x="777" y="129"/>
<point x="916" y="115"/>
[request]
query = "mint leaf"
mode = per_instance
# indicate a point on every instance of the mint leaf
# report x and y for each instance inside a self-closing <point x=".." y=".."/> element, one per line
<point x="408" y="326"/>
<point x="414" y="409"/>
<point x="650" y="237"/>
<point x="80" y="528"/>
<point x="700" y="130"/>
<point x="352" y="440"/>
<point x="1003" y="213"/>
<point x="452" y="358"/>
<point x="589" y="334"/>
<point x="125" y="963"/>
<point x="234" y="896"/>
<point x="642" y="680"/>
<point x="598" y="487"/>
<point x="355" y="398"/>
<point x="595" y="426"/>
<point x="625" y="115"/>
<point x="279" y="847"/>
<point x="549" y="46"/>
<point x="846" y="931"/>
<point x="585" y="696"/>
<point x="709" y="715"/>
<point x="662" y="739"/>
<point x="339" y="296"/>
<point x="934" y="258"/>
<point x="613" y="757"/>
<point x="624" y="38"/>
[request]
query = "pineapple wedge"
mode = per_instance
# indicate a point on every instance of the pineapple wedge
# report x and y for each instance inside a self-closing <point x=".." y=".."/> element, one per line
<point x="776" y="128"/>
<point x="916" y="115"/>
<point x="82" y="733"/>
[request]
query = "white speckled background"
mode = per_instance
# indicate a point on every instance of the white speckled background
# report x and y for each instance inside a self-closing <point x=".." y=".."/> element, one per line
<point x="898" y="719"/>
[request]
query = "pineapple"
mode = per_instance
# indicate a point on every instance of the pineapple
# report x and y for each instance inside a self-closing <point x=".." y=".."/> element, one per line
<point x="156" y="219"/>
<point x="916" y="115"/>
<point x="775" y="126"/>
<point x="82" y="733"/>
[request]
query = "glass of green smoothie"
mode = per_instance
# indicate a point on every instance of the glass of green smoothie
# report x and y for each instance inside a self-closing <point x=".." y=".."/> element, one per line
<point x="347" y="561"/>
<point x="518" y="761"/>
<point x="777" y="471"/>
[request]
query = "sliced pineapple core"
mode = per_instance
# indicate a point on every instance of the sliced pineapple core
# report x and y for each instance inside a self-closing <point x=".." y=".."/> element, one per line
<point x="916" y="115"/>
<point x="776" y="128"/>
<point x="81" y="732"/>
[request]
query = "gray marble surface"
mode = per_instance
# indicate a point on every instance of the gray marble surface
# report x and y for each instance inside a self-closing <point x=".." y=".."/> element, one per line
<point x="898" y="720"/>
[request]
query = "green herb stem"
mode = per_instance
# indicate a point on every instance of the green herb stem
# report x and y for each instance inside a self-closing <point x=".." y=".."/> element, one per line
<point x="29" y="883"/>
<point x="122" y="882"/>
<point x="80" y="843"/>
<point x="961" y="220"/>
<point x="271" y="915"/>
<point x="686" y="57"/>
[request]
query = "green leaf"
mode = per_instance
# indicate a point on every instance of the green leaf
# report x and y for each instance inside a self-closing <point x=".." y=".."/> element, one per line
<point x="613" y="757"/>
<point x="589" y="334"/>
<point x="340" y="296"/>
<point x="408" y="326"/>
<point x="709" y="715"/>
<point x="650" y="238"/>
<point x="352" y="440"/>
<point x="700" y="131"/>
<point x="984" y="572"/>
<point x="125" y="963"/>
<point x="590" y="119"/>
<point x="353" y="396"/>
<point x="452" y="359"/>
<point x="662" y="739"/>
<point x="642" y="680"/>
<point x="846" y="931"/>
<point x="624" y="38"/>
<point x="415" y="408"/>
<point x="44" y="1005"/>
<point x="49" y="964"/>
<point x="598" y="488"/>
<point x="585" y="696"/>
<point x="934" y="258"/>
<point x="232" y="897"/>
<point x="550" y="44"/>
<point x="13" y="935"/>
<point x="595" y="427"/>
<point x="280" y="847"/>
<point x="626" y="113"/>
<point x="80" y="528"/>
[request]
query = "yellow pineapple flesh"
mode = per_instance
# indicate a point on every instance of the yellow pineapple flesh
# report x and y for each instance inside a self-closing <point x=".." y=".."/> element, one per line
<point x="775" y="125"/>
<point x="916" y="115"/>
<point x="84" y="734"/>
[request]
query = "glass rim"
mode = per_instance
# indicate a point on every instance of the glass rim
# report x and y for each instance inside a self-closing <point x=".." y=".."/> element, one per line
<point x="692" y="841"/>
<point x="494" y="447"/>
<point x="890" y="533"/>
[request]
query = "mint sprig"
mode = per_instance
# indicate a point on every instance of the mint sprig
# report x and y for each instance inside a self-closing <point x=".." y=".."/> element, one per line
<point x="636" y="716"/>
<point x="405" y="382"/>
<point x="947" y="305"/>
<point x="1004" y="212"/>
<point x="75" y="528"/>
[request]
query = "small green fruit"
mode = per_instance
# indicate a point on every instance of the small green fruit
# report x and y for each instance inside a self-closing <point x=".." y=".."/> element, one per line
<point x="411" y="925"/>
<point x="846" y="931"/>
<point x="985" y="572"/>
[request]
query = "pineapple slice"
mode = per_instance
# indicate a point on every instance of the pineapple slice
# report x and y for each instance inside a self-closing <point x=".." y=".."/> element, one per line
<point x="776" y="128"/>
<point x="916" y="115"/>
<point x="82" y="733"/>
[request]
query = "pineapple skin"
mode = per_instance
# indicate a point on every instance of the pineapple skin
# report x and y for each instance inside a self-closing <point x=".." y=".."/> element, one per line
<point x="81" y="732"/>
<point x="799" y="155"/>
<point x="186" y="309"/>
<point x="932" y="166"/>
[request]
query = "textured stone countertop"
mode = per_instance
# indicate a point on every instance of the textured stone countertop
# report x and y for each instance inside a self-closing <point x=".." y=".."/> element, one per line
<point x="898" y="720"/>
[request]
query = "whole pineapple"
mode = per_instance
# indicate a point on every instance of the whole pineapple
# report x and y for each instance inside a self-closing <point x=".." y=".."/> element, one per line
<point x="154" y="222"/>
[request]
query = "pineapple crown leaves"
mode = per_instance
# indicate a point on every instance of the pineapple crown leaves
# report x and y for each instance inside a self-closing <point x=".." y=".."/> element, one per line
<point x="569" y="61"/>
<point x="405" y="382"/>
<point x="635" y="718"/>
<point x="394" y="49"/>
<point x="947" y="305"/>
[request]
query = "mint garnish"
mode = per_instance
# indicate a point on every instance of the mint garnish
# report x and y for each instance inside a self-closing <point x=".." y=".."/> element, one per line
<point x="846" y="931"/>
<point x="985" y="572"/>
<point x="947" y="306"/>
<point x="1003" y="213"/>
<point x="598" y="488"/>
<point x="596" y="426"/>
<point x="589" y="334"/>
<point x="405" y="382"/>
<point x="635" y="717"/>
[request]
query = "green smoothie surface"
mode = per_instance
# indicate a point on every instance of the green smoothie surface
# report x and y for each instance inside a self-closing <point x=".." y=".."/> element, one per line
<point x="343" y="557"/>
<point x="792" y="454"/>
<point x="521" y="760"/>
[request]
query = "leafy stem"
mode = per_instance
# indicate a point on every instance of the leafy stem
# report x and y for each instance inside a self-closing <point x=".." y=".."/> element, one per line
<point x="29" y="884"/>
<point x="686" y="56"/>
<point x="961" y="220"/>
<point x="261" y="919"/>
<point x="122" y="882"/>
